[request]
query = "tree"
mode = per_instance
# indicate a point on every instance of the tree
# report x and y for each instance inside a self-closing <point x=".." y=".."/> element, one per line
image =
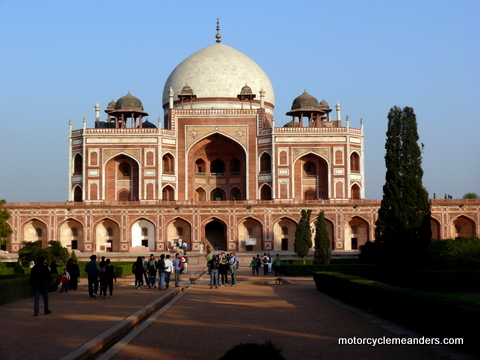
<point x="322" y="254"/>
<point x="57" y="251"/>
<point x="403" y="227"/>
<point x="5" y="230"/>
<point x="31" y="251"/>
<point x="470" y="195"/>
<point x="303" y="236"/>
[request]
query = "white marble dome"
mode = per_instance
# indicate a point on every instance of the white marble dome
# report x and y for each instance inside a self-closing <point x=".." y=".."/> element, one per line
<point x="219" y="71"/>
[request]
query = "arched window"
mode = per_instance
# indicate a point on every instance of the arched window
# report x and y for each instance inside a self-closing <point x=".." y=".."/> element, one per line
<point x="355" y="191"/>
<point x="266" y="163"/>
<point x="310" y="194"/>
<point x="355" y="162"/>
<point x="266" y="193"/>
<point x="94" y="158"/>
<point x="168" y="164"/>
<point x="124" y="171"/>
<point x="77" y="165"/>
<point x="234" y="167"/>
<point x="217" y="167"/>
<point x="283" y="157"/>
<point x="150" y="159"/>
<point x="235" y="194"/>
<point x="309" y="169"/>
<point x="144" y="231"/>
<point x="338" y="157"/>
<point x="109" y="232"/>
<point x="200" y="167"/>
<point x="218" y="195"/>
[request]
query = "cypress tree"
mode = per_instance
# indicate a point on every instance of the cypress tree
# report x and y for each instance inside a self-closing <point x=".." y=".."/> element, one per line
<point x="303" y="236"/>
<point x="403" y="227"/>
<point x="323" y="252"/>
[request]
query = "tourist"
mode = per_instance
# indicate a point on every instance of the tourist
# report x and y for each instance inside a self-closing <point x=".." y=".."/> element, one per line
<point x="277" y="264"/>
<point x="184" y="263"/>
<point x="137" y="269"/>
<point x="93" y="271"/>
<point x="213" y="269"/>
<point x="40" y="279"/>
<point x="265" y="264"/>
<point x="233" y="268"/>
<point x="168" y="271"/>
<point x="74" y="271"/>
<point x="145" y="270"/>
<point x="152" y="275"/>
<point x="106" y="281"/>
<point x="270" y="264"/>
<point x="259" y="263"/>
<point x="177" y="262"/>
<point x="152" y="262"/>
<point x="253" y="265"/>
<point x="161" y="272"/>
<point x="223" y="267"/>
<point x="64" y="280"/>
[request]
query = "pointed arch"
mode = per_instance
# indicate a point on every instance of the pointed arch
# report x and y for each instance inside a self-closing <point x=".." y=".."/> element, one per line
<point x="284" y="234"/>
<point x="214" y="232"/>
<point x="462" y="227"/>
<point x="266" y="192"/>
<point x="168" y="193"/>
<point x="179" y="229"/>
<point x="107" y="236"/>
<point x="356" y="233"/>
<point x="35" y="230"/>
<point x="121" y="178"/>
<point x="71" y="234"/>
<point x="250" y="231"/>
<point x="143" y="234"/>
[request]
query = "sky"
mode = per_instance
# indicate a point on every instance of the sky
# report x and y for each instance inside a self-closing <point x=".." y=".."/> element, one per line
<point x="59" y="58"/>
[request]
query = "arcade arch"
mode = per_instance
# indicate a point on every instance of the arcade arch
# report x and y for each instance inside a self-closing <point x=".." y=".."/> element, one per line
<point x="107" y="236"/>
<point x="462" y="227"/>
<point x="179" y="229"/>
<point x="250" y="235"/>
<point x="71" y="235"/>
<point x="143" y="234"/>
<point x="121" y="179"/>
<point x="215" y="234"/>
<point x="356" y="233"/>
<point x="36" y="231"/>
<point x="284" y="235"/>
<point x="313" y="180"/>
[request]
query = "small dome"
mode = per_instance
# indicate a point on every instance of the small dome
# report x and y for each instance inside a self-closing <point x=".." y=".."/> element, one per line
<point x="147" y="125"/>
<point x="111" y="105"/>
<point x="129" y="102"/>
<point x="246" y="90"/>
<point x="187" y="90"/>
<point x="324" y="105"/>
<point x="291" y="123"/>
<point x="305" y="101"/>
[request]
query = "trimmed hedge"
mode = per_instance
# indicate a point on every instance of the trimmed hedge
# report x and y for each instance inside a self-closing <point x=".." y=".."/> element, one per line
<point x="428" y="312"/>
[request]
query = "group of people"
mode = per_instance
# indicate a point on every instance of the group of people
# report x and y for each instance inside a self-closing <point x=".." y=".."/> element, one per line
<point x="146" y="271"/>
<point x="102" y="272"/>
<point x="220" y="266"/>
<point x="268" y="264"/>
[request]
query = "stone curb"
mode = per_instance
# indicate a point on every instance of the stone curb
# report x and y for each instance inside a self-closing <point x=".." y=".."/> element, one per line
<point x="120" y="330"/>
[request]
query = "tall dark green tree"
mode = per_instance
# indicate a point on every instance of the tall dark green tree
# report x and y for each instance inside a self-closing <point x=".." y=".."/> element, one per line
<point x="323" y="253"/>
<point x="403" y="227"/>
<point x="5" y="230"/>
<point x="303" y="236"/>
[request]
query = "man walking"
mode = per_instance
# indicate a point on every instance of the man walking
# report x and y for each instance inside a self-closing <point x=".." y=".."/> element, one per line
<point x="233" y="268"/>
<point x="93" y="271"/>
<point x="161" y="272"/>
<point x="178" y="270"/>
<point x="39" y="279"/>
<point x="168" y="271"/>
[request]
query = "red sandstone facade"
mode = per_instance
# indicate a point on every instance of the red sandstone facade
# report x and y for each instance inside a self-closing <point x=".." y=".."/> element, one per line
<point x="219" y="174"/>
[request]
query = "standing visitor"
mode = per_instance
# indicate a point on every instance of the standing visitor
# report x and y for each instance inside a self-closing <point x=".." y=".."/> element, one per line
<point x="161" y="272"/>
<point x="168" y="270"/>
<point x="233" y="268"/>
<point x="223" y="267"/>
<point x="106" y="281"/>
<point x="213" y="269"/>
<point x="177" y="263"/>
<point x="277" y="264"/>
<point x="64" y="280"/>
<point x="253" y="265"/>
<point x="265" y="264"/>
<point x="74" y="271"/>
<point x="93" y="271"/>
<point x="137" y="270"/>
<point x="39" y="279"/>
<point x="270" y="264"/>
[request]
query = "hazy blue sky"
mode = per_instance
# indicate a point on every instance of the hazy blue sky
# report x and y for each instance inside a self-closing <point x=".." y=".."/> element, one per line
<point x="58" y="58"/>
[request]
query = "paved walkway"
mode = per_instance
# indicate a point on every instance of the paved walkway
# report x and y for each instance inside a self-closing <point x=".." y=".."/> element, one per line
<point x="203" y="323"/>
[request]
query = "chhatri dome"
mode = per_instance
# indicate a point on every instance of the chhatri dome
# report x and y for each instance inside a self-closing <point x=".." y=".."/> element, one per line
<point x="219" y="71"/>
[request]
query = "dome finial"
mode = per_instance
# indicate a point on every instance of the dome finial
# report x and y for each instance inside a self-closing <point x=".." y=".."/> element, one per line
<point x="218" y="36"/>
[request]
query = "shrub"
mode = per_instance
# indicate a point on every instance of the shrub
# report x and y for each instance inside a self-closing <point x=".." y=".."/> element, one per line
<point x="462" y="253"/>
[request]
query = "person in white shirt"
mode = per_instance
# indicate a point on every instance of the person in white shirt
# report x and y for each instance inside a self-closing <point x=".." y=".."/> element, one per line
<point x="168" y="270"/>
